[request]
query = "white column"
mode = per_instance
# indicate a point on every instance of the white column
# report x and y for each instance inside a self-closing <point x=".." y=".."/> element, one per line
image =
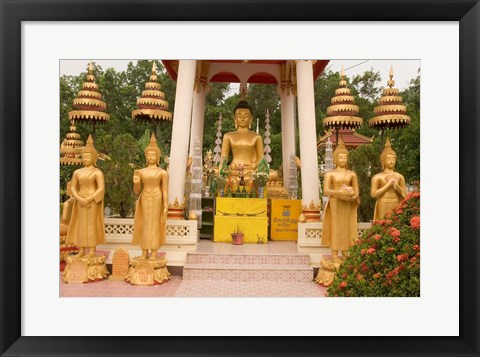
<point x="198" y="118"/>
<point x="308" y="139"/>
<point x="288" y="133"/>
<point x="179" y="148"/>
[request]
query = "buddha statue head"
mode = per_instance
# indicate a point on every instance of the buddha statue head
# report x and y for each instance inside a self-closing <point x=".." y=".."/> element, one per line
<point x="243" y="115"/>
<point x="340" y="155"/>
<point x="89" y="153"/>
<point x="388" y="157"/>
<point x="152" y="151"/>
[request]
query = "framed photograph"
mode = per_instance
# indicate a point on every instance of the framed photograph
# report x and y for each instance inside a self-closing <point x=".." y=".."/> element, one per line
<point x="35" y="36"/>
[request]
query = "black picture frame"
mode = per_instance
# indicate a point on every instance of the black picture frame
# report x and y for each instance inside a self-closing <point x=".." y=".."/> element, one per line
<point x="467" y="12"/>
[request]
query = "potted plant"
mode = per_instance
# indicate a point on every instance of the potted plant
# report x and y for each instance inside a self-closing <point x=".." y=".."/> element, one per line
<point x="237" y="236"/>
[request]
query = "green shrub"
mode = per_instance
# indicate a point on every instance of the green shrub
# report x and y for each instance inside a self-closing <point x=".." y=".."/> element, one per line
<point x="385" y="261"/>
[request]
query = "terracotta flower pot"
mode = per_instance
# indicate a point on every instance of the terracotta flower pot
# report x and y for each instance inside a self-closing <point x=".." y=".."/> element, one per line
<point x="237" y="238"/>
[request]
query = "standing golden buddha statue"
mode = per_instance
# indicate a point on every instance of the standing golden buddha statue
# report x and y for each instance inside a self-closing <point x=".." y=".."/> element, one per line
<point x="152" y="204"/>
<point x="388" y="186"/>
<point x="245" y="145"/>
<point x="87" y="228"/>
<point x="340" y="219"/>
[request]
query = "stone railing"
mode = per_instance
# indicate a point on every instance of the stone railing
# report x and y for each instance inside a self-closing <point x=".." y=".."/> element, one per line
<point x="120" y="230"/>
<point x="310" y="234"/>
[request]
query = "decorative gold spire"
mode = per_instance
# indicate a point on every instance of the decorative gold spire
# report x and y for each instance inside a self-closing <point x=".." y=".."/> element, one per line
<point x="390" y="113"/>
<point x="152" y="106"/>
<point x="71" y="148"/>
<point x="89" y="147"/>
<point x="387" y="150"/>
<point x="341" y="148"/>
<point x="89" y="106"/>
<point x="343" y="113"/>
<point x="152" y="146"/>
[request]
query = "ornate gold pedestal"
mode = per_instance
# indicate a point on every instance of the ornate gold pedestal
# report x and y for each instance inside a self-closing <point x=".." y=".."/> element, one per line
<point x="66" y="249"/>
<point x="328" y="269"/>
<point x="276" y="190"/>
<point x="82" y="269"/>
<point x="147" y="272"/>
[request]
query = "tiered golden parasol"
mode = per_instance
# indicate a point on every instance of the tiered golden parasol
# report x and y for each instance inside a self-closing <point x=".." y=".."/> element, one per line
<point x="152" y="106"/>
<point x="71" y="148"/>
<point x="390" y="113"/>
<point x="89" y="106"/>
<point x="343" y="113"/>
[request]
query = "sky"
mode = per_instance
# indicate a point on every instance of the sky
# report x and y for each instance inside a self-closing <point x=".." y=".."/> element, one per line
<point x="404" y="70"/>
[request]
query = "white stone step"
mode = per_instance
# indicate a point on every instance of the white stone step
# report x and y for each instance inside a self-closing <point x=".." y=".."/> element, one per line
<point x="250" y="272"/>
<point x="248" y="259"/>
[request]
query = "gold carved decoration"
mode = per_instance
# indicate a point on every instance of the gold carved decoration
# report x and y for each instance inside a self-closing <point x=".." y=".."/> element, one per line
<point x="176" y="204"/>
<point x="327" y="271"/>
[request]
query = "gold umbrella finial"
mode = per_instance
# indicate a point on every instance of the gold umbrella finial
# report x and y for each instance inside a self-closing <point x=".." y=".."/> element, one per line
<point x="342" y="76"/>
<point x="391" y="82"/>
<point x="154" y="67"/>
<point x="90" y="75"/>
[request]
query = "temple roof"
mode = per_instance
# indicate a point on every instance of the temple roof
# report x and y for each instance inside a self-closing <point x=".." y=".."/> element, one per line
<point x="351" y="138"/>
<point x="259" y="78"/>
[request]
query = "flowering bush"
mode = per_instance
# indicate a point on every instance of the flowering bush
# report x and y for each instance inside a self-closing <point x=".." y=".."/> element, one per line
<point x="385" y="261"/>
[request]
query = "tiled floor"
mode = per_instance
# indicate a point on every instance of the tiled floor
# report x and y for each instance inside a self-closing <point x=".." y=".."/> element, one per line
<point x="106" y="288"/>
<point x="218" y="288"/>
<point x="177" y="287"/>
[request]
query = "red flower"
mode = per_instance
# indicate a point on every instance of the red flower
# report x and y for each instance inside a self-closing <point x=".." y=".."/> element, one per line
<point x="363" y="251"/>
<point x="402" y="257"/>
<point x="370" y="250"/>
<point x="399" y="211"/>
<point x="394" y="232"/>
<point x="415" y="222"/>
<point x="342" y="285"/>
<point x="376" y="275"/>
<point x="416" y="247"/>
<point x="390" y="249"/>
<point x="377" y="236"/>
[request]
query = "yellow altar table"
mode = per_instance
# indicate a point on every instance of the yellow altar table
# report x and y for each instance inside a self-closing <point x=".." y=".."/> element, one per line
<point x="284" y="219"/>
<point x="249" y="215"/>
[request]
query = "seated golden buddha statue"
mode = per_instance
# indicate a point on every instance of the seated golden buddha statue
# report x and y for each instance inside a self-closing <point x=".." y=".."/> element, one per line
<point x="388" y="186"/>
<point x="245" y="146"/>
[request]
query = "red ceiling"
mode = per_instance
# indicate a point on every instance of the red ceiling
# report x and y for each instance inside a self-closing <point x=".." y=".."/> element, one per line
<point x="259" y="78"/>
<point x="350" y="138"/>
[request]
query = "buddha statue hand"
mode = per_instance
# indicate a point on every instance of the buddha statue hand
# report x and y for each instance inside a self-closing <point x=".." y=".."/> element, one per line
<point x="164" y="215"/>
<point x="83" y="202"/>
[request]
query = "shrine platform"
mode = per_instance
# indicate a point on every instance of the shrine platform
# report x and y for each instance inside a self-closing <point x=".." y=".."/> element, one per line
<point x="275" y="269"/>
